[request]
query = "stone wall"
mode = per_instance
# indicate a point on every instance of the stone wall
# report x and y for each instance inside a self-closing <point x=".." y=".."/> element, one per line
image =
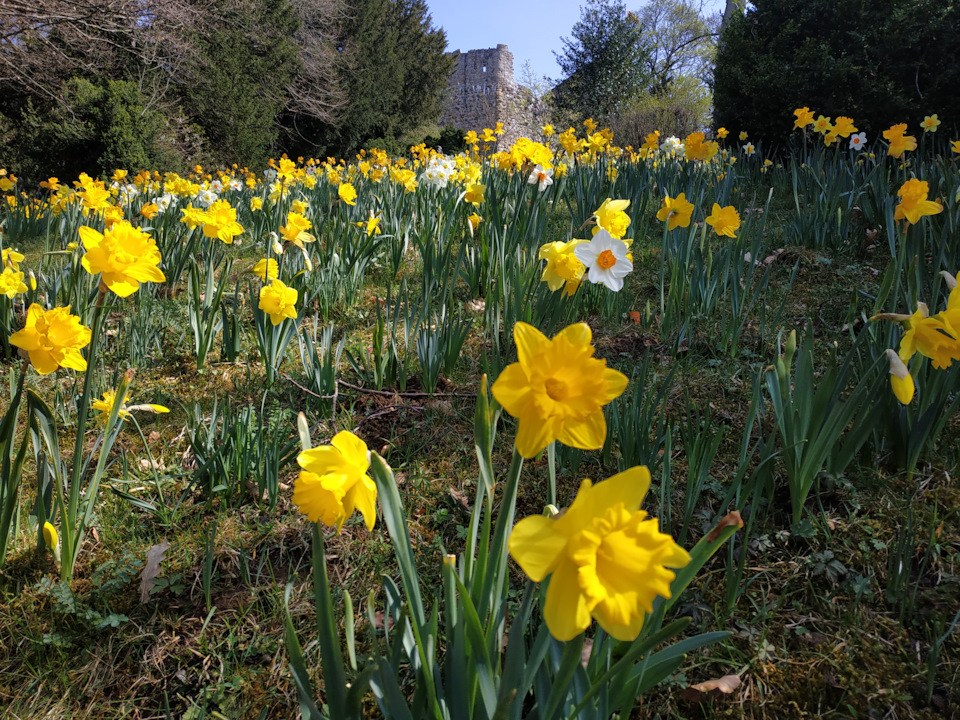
<point x="483" y="93"/>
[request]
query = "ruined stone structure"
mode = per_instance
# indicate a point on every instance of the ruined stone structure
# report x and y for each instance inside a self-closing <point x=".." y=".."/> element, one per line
<point x="483" y="93"/>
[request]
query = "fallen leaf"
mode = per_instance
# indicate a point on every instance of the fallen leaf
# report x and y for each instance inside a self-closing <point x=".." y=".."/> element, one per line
<point x="152" y="569"/>
<point x="731" y="519"/>
<point x="153" y="437"/>
<point x="712" y="688"/>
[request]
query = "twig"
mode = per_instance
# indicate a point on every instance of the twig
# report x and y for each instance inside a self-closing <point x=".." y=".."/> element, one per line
<point x="402" y="394"/>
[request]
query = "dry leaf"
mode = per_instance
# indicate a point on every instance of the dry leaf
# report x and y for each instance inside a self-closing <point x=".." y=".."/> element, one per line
<point x="461" y="497"/>
<point x="731" y="519"/>
<point x="712" y="688"/>
<point x="153" y="437"/>
<point x="151" y="569"/>
<point x="586" y="652"/>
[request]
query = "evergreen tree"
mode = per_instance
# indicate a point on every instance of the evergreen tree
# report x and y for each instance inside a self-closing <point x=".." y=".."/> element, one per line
<point x="394" y="72"/>
<point x="238" y="88"/>
<point x="880" y="62"/>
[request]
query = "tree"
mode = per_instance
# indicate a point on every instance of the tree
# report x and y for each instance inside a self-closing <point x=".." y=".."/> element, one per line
<point x="394" y="71"/>
<point x="880" y="62"/>
<point x="604" y="61"/>
<point x="238" y="87"/>
<point x="681" y="41"/>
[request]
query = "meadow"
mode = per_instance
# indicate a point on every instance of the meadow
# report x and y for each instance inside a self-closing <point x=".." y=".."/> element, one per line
<point x="550" y="430"/>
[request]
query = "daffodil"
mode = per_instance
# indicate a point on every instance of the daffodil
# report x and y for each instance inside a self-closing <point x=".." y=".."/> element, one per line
<point x="724" y="220"/>
<point x="333" y="482"/>
<point x="901" y="382"/>
<point x="722" y="133"/>
<point x="220" y="222"/>
<point x="610" y="216"/>
<point x="843" y="126"/>
<point x="605" y="557"/>
<point x="913" y="202"/>
<point x="123" y="255"/>
<point x="11" y="283"/>
<point x="563" y="269"/>
<point x="557" y="390"/>
<point x="52" y="339"/>
<point x="804" y="117"/>
<point x="931" y="337"/>
<point x="858" y="141"/>
<point x="105" y="405"/>
<point x="347" y="193"/>
<point x="474" y="193"/>
<point x="295" y="231"/>
<point x="266" y="269"/>
<point x="50" y="537"/>
<point x="899" y="142"/>
<point x="541" y="177"/>
<point x="278" y="301"/>
<point x="606" y="260"/>
<point x="676" y="212"/>
<point x="930" y="123"/>
<point x="10" y="259"/>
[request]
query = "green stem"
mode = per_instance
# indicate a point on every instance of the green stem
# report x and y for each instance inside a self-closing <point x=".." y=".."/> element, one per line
<point x="70" y="532"/>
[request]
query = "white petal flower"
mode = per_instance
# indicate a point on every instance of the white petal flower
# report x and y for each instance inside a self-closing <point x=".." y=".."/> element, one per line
<point x="858" y="141"/>
<point x="606" y="260"/>
<point x="541" y="176"/>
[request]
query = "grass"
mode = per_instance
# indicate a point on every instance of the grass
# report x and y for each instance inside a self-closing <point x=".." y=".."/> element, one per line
<point x="836" y="617"/>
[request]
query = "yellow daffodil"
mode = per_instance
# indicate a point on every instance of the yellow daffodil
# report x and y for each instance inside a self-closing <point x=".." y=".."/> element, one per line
<point x="698" y="149"/>
<point x="474" y="193"/>
<point x="611" y="217"/>
<point x="220" y="222"/>
<point x="722" y="133"/>
<point x="607" y="559"/>
<point x="547" y="130"/>
<point x="105" y="405"/>
<point x="347" y="193"/>
<point x="52" y="339"/>
<point x="899" y="142"/>
<point x="333" y="482"/>
<point x="743" y="135"/>
<point x="563" y="269"/>
<point x="804" y="117"/>
<point x="256" y="203"/>
<point x="913" y="202"/>
<point x="676" y="212"/>
<point x="192" y="217"/>
<point x="11" y="283"/>
<point x="930" y="123"/>
<point x="295" y="231"/>
<point x="822" y="125"/>
<point x="901" y="381"/>
<point x="124" y="256"/>
<point x="266" y="269"/>
<point x="149" y="210"/>
<point x="278" y="301"/>
<point x="724" y="221"/>
<point x="11" y="259"/>
<point x="931" y="337"/>
<point x="557" y="390"/>
<point x="371" y="226"/>
<point x="475" y="221"/>
<point x="50" y="537"/>
<point x="843" y="126"/>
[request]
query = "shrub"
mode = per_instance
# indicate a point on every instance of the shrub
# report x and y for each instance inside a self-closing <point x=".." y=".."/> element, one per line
<point x="882" y="63"/>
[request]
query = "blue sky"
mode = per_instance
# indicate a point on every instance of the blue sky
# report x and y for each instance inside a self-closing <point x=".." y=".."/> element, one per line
<point x="531" y="28"/>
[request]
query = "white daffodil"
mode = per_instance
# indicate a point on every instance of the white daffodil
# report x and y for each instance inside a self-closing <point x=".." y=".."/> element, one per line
<point x="605" y="258"/>
<point x="858" y="141"/>
<point x="541" y="176"/>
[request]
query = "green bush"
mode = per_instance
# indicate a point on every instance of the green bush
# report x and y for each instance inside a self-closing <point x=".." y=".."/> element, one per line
<point x="881" y="62"/>
<point x="682" y="109"/>
<point x="97" y="128"/>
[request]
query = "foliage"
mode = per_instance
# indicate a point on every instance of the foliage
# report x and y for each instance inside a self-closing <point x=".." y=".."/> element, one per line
<point x="881" y="63"/>
<point x="683" y="108"/>
<point x="98" y="126"/>
<point x="393" y="69"/>
<point x="604" y="61"/>
<point x="237" y="88"/>
<point x="681" y="41"/>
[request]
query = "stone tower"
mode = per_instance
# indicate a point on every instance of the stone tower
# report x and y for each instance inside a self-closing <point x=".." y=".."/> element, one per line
<point x="483" y="93"/>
